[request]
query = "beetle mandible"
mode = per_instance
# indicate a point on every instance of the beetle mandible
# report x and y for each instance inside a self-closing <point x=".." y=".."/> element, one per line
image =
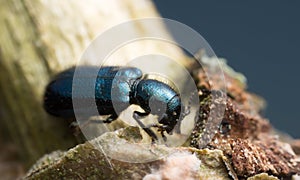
<point x="129" y="87"/>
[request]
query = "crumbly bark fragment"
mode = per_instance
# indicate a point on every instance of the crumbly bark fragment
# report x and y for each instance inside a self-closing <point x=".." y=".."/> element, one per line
<point x="244" y="136"/>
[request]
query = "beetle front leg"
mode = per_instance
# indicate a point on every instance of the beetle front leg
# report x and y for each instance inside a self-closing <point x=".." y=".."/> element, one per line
<point x="137" y="116"/>
<point x="108" y="120"/>
<point x="140" y="115"/>
<point x="161" y="129"/>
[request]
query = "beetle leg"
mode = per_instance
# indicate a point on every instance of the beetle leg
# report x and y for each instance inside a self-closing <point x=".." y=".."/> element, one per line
<point x="111" y="118"/>
<point x="161" y="129"/>
<point x="163" y="136"/>
<point x="108" y="120"/>
<point x="77" y="126"/>
<point x="141" y="114"/>
<point x="137" y="116"/>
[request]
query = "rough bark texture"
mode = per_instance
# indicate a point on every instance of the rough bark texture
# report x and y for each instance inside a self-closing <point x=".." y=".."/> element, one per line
<point x="40" y="38"/>
<point x="244" y="136"/>
<point x="87" y="162"/>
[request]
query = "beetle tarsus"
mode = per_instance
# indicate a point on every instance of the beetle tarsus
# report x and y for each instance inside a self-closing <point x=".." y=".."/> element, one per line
<point x="161" y="129"/>
<point x="137" y="117"/>
<point x="111" y="118"/>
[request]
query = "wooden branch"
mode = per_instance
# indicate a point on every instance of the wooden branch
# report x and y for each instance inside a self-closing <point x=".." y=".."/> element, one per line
<point x="39" y="38"/>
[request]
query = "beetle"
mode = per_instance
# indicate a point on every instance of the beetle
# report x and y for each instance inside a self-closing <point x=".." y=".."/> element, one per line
<point x="122" y="85"/>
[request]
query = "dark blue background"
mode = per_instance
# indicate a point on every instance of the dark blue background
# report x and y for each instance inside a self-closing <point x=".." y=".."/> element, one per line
<point x="259" y="39"/>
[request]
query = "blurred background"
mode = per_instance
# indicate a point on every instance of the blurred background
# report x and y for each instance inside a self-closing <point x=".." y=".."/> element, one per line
<point x="260" y="39"/>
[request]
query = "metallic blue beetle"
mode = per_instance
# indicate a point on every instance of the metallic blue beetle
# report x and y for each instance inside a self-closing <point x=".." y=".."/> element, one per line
<point x="117" y="85"/>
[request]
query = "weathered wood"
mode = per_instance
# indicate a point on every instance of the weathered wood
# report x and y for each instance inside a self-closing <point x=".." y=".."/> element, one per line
<point x="39" y="38"/>
<point x="85" y="161"/>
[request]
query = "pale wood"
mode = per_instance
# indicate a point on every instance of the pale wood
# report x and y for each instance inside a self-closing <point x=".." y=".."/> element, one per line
<point x="39" y="38"/>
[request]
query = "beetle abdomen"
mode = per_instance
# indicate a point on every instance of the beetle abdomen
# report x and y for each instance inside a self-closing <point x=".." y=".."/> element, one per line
<point x="110" y="85"/>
